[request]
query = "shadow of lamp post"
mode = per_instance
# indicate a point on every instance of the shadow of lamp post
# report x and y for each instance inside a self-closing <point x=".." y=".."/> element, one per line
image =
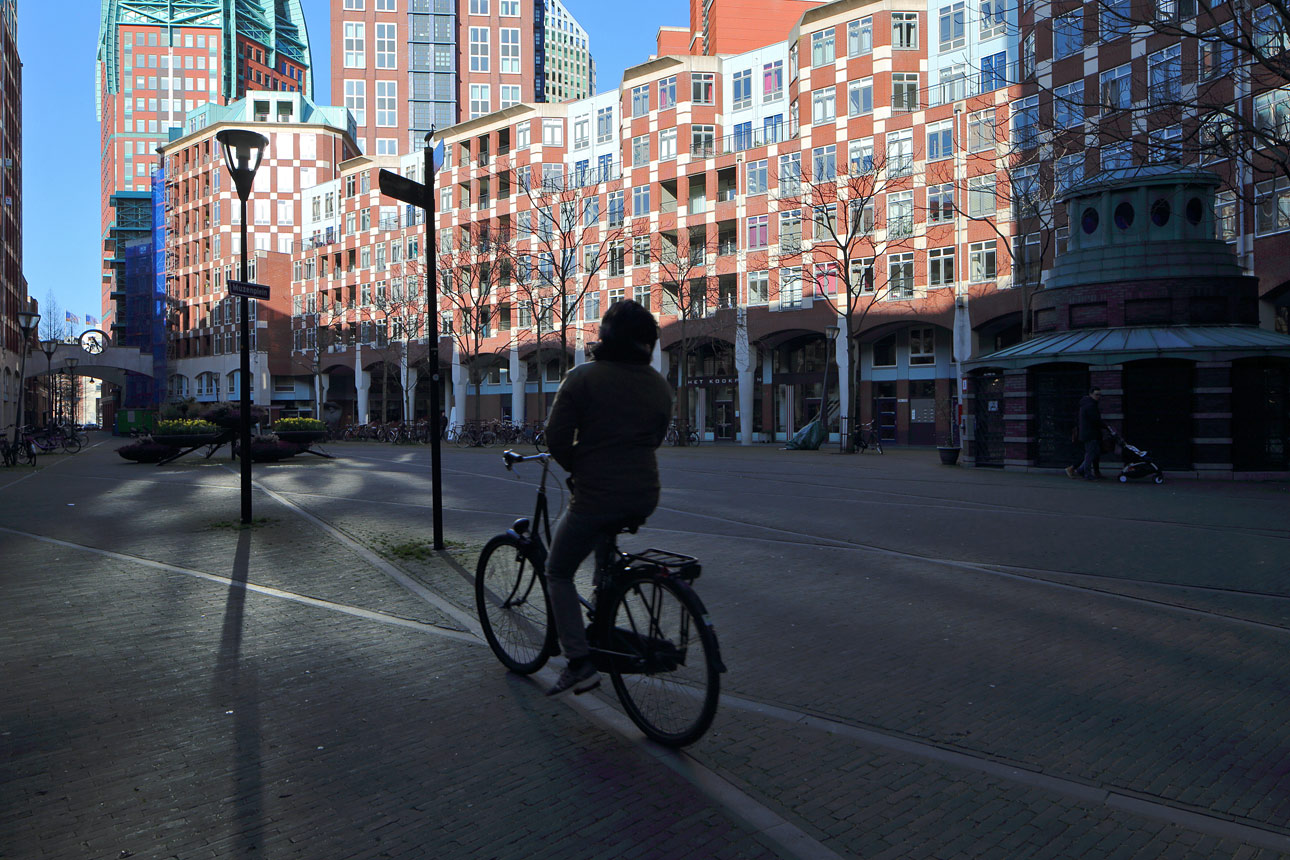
<point x="27" y="322"/>
<point x="243" y="152"/>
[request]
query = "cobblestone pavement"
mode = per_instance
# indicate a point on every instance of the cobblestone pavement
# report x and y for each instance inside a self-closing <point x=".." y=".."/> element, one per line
<point x="924" y="662"/>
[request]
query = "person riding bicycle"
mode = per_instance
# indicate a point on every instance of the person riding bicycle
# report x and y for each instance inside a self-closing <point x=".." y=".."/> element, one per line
<point x="608" y="418"/>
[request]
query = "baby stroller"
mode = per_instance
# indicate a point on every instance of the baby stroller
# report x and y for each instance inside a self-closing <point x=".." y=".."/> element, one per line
<point x="1137" y="463"/>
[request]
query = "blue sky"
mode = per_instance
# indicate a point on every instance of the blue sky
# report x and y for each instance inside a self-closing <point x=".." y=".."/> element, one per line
<point x="61" y="133"/>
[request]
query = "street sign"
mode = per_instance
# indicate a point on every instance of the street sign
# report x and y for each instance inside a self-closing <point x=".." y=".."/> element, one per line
<point x="402" y="188"/>
<point x="248" y="289"/>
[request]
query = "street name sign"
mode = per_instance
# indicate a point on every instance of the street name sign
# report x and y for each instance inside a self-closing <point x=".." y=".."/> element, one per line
<point x="402" y="188"/>
<point x="248" y="289"/>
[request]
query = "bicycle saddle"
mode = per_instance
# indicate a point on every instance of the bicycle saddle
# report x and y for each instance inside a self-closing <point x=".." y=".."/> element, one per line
<point x="629" y="526"/>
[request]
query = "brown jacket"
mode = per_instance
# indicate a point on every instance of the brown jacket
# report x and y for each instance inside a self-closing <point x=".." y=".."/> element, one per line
<point x="607" y="420"/>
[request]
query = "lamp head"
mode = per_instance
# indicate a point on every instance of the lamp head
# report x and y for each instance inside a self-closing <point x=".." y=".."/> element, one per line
<point x="243" y="152"/>
<point x="27" y="322"/>
<point x="831" y="331"/>
<point x="71" y="362"/>
<point x="49" y="346"/>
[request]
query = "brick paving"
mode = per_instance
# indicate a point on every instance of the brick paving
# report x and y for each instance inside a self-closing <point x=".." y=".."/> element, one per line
<point x="158" y="713"/>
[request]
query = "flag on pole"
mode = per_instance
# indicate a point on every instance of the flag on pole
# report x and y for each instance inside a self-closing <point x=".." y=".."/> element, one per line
<point x="91" y="320"/>
<point x="73" y="318"/>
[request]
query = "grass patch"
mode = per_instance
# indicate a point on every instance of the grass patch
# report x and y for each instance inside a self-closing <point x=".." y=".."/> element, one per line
<point x="237" y="525"/>
<point x="410" y="550"/>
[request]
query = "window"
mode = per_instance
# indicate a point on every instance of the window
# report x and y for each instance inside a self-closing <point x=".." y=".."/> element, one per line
<point x="900" y="152"/>
<point x="860" y="37"/>
<point x="1164" y="75"/>
<point x="790" y="287"/>
<point x="356" y="100"/>
<point x="640" y="251"/>
<point x="904" y="90"/>
<point x="1025" y="122"/>
<point x="521" y="135"/>
<point x="1068" y="34"/>
<point x="772" y="80"/>
<point x="667" y="93"/>
<point x="823" y="104"/>
<point x="508" y="8"/>
<point x="604" y="125"/>
<point x="1217" y="58"/>
<point x="1115" y="18"/>
<point x="822" y="48"/>
<point x="992" y="19"/>
<point x="387" y="104"/>
<point x="355" y="45"/>
<point x="667" y="143"/>
<point x="900" y="275"/>
<point x="386" y="41"/>
<point x="825" y="162"/>
<point x="953" y="26"/>
<point x="981" y="197"/>
<point x="1269" y="35"/>
<point x="940" y="267"/>
<point x="1070" y="171"/>
<point x="900" y="214"/>
<point x="703" y="140"/>
<point x="591" y="212"/>
<point x="640" y="100"/>
<point x="940" y="203"/>
<point x="552" y="132"/>
<point x="758" y="231"/>
<point x="790" y="174"/>
<point x="1165" y="144"/>
<point x="640" y="150"/>
<point x="1068" y="105"/>
<point x="1117" y="156"/>
<point x="953" y="83"/>
<point x="981" y="133"/>
<point x="861" y="155"/>
<point x="640" y="201"/>
<point x="508" y="41"/>
<point x="1116" y="92"/>
<point x="860" y="97"/>
<point x="922" y="345"/>
<point x="981" y="261"/>
<point x="755" y="177"/>
<point x="1225" y="215"/>
<point x="904" y="29"/>
<point x="790" y="231"/>
<point x="479" y="49"/>
<point x="616" y="208"/>
<point x="741" y="85"/>
<point x="479" y="7"/>
<point x="940" y="140"/>
<point x="861" y="216"/>
<point x="479" y="99"/>
<point x="758" y="288"/>
<point x="1025" y="191"/>
<point x="617" y="263"/>
<point x="994" y="71"/>
<point x="703" y="88"/>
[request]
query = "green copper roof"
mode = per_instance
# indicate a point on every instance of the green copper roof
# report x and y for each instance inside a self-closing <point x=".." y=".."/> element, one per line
<point x="279" y="25"/>
<point x="1117" y="345"/>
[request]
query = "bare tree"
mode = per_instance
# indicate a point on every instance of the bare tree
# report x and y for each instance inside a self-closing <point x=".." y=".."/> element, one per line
<point x="847" y="237"/>
<point x="470" y="281"/>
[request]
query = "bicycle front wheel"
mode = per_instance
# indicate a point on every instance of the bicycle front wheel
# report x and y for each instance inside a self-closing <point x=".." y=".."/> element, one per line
<point x="664" y="661"/>
<point x="71" y="444"/>
<point x="510" y="595"/>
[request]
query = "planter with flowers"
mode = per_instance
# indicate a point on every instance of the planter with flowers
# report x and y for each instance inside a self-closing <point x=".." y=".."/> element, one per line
<point x="186" y="433"/>
<point x="300" y="431"/>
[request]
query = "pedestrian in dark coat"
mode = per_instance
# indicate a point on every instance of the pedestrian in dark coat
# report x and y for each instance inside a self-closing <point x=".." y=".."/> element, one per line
<point x="1089" y="430"/>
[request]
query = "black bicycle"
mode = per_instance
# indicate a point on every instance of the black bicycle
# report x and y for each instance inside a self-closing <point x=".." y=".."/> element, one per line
<point x="11" y="454"/>
<point x="647" y="628"/>
<point x="868" y="437"/>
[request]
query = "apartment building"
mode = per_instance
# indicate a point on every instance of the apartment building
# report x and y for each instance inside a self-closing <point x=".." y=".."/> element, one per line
<point x="200" y="232"/>
<point x="404" y="67"/>
<point x="157" y="61"/>
<point x="13" y="285"/>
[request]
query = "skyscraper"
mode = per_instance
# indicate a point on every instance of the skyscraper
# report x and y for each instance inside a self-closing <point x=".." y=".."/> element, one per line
<point x="160" y="59"/>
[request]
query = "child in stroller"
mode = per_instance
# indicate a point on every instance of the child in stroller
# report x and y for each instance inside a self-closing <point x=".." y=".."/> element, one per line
<point x="1137" y="463"/>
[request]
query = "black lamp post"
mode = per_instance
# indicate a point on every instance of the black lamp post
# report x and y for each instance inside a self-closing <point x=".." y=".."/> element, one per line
<point x="27" y="322"/>
<point x="243" y="152"/>
<point x="71" y="394"/>
<point x="49" y="347"/>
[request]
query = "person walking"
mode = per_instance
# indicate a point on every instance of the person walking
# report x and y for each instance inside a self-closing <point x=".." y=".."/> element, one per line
<point x="608" y="418"/>
<point x="1089" y="428"/>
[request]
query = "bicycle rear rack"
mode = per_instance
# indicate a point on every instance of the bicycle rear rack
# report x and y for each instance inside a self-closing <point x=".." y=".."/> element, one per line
<point x="666" y="563"/>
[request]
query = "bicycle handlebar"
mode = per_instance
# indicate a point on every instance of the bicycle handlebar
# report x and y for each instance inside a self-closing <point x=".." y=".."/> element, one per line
<point x="510" y="458"/>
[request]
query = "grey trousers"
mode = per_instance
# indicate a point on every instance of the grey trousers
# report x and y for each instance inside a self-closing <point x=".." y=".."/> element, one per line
<point x="576" y="535"/>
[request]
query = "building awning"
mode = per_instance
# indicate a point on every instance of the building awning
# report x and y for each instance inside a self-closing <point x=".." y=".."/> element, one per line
<point x="1119" y="345"/>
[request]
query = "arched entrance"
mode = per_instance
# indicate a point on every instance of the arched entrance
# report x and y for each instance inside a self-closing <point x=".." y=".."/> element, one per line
<point x="385" y="392"/>
<point x="1057" y="391"/>
<point x="1261" y="415"/>
<point x="1158" y="406"/>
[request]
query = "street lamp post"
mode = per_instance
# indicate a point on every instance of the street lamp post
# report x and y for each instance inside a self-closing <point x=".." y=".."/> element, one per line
<point x="27" y="322"/>
<point x="830" y="336"/>
<point x="71" y="394"/>
<point x="243" y="151"/>
<point x="49" y="347"/>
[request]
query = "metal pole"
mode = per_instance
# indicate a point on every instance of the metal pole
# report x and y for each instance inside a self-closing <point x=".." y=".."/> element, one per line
<point x="244" y="394"/>
<point x="22" y="386"/>
<point x="432" y="347"/>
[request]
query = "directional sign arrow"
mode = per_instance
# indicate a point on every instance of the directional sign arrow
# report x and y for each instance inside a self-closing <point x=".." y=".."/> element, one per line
<point x="402" y="188"/>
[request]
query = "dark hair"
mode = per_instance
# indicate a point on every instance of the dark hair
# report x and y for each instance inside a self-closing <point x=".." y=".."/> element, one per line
<point x="628" y="332"/>
<point x="1095" y="390"/>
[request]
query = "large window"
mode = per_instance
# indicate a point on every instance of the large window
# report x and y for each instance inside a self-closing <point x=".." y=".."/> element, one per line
<point x="860" y="97"/>
<point x="640" y="100"/>
<point x="640" y="201"/>
<point x="904" y="90"/>
<point x="1164" y="75"/>
<point x="953" y="26"/>
<point x="1068" y="34"/>
<point x="1068" y="105"/>
<point x="703" y="88"/>
<point x="356" y="100"/>
<point x="387" y="104"/>
<point x="1116" y="18"/>
<point x="994" y="71"/>
<point x="479" y="100"/>
<point x="640" y="150"/>
<point x="824" y="104"/>
<point x="479" y="49"/>
<point x="824" y="160"/>
<point x="900" y="214"/>
<point x="604" y="125"/>
<point x="900" y="275"/>
<point x="981" y="195"/>
<point x="755" y="181"/>
<point x="822" y="48"/>
<point x="1069" y="172"/>
<point x="1116" y="88"/>
<point x="553" y="132"/>
<point x="741" y="84"/>
<point x="981" y="132"/>
<point x="790" y="174"/>
<point x="508" y="40"/>
<point x="667" y="93"/>
<point x="386" y="46"/>
<point x="981" y="261"/>
<point x="940" y="140"/>
<point x="1165" y="144"/>
<point x="940" y="203"/>
<point x="355" y="45"/>
<point x="904" y="29"/>
<point x="993" y="21"/>
<point x="1116" y="156"/>
<point x="758" y="231"/>
<point x="900" y="152"/>
<point x="860" y="37"/>
<point x="940" y="267"/>
<point x="1025" y="122"/>
<point x="772" y="81"/>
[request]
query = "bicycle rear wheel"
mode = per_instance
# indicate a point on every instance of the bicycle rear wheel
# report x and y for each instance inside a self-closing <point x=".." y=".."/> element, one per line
<point x="664" y="661"/>
<point x="71" y="444"/>
<point x="539" y="441"/>
<point x="510" y="595"/>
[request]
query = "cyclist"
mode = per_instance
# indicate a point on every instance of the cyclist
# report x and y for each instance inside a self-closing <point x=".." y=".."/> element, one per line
<point x="608" y="418"/>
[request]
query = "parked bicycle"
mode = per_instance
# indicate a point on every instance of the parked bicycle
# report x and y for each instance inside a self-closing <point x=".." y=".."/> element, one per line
<point x="647" y="628"/>
<point x="50" y="440"/>
<point x="675" y="434"/>
<point x="868" y="437"/>
<point x="18" y="453"/>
